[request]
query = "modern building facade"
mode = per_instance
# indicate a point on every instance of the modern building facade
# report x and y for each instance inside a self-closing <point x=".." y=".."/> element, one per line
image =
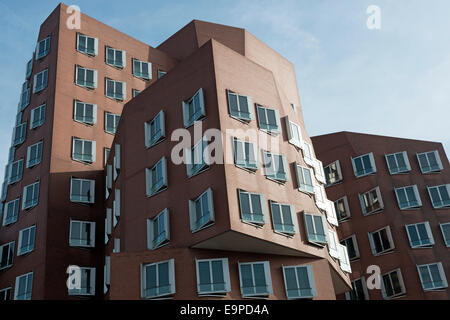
<point x="93" y="182"/>
<point x="392" y="200"/>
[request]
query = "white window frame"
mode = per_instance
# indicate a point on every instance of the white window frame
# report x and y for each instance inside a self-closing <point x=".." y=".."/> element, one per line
<point x="344" y="260"/>
<point x="115" y="63"/>
<point x="284" y="230"/>
<point x="312" y="284"/>
<point x="28" y="291"/>
<point x="441" y="275"/>
<point x="152" y="244"/>
<point x="31" y="241"/>
<point x="86" y="49"/>
<point x="400" y="279"/>
<point x="193" y="156"/>
<point x="37" y="160"/>
<point x="7" y="294"/>
<point x="300" y="174"/>
<point x="15" y="171"/>
<point x="34" y="202"/>
<point x="23" y="134"/>
<point x="117" y="161"/>
<point x="397" y="169"/>
<point x="307" y="152"/>
<point x="82" y="242"/>
<point x="141" y="75"/>
<point x="246" y="162"/>
<point x="364" y="288"/>
<point x="389" y="238"/>
<point x="354" y="240"/>
<point x="324" y="227"/>
<point x="267" y="275"/>
<point x="430" y="170"/>
<point x="410" y="204"/>
<point x="262" y="200"/>
<point x="85" y="84"/>
<point x="366" y="172"/>
<point x="46" y="42"/>
<point x="193" y="213"/>
<point x="428" y="231"/>
<point x="271" y="172"/>
<point x="83" y="143"/>
<point x="91" y="189"/>
<point x="84" y="119"/>
<point x="348" y="215"/>
<point x="151" y="188"/>
<point x="320" y="197"/>
<point x="40" y="86"/>
<point x="265" y="126"/>
<point x="153" y="139"/>
<point x="171" y="273"/>
<point x="84" y="290"/>
<point x="116" y="119"/>
<point x="442" y="206"/>
<point x="446" y="240"/>
<point x="122" y="96"/>
<point x="226" y="277"/>
<point x="333" y="241"/>
<point x="339" y="177"/>
<point x="37" y="111"/>
<point x="240" y="115"/>
<point x="294" y="133"/>
<point x="188" y="120"/>
<point x="10" y="258"/>
<point x="362" y="198"/>
<point x="16" y="207"/>
<point x="319" y="171"/>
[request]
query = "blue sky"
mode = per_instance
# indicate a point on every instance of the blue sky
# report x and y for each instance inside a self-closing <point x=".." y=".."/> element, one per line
<point x="394" y="81"/>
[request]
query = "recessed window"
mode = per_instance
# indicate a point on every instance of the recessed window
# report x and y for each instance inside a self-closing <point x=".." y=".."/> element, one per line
<point x="213" y="276"/>
<point x="37" y="117"/>
<point x="194" y="109"/>
<point x="82" y="234"/>
<point x="315" y="228"/>
<point x="156" y="177"/>
<point x="197" y="158"/>
<point x="333" y="173"/>
<point x="87" y="287"/>
<point x="268" y="120"/>
<point x="11" y="212"/>
<point x="364" y="165"/>
<point x="161" y="74"/>
<point x="381" y="241"/>
<point x="115" y="57"/>
<point x="398" y="162"/>
<point x="15" y="171"/>
<point x="116" y="89"/>
<point x="445" y="229"/>
<point x="371" y="201"/>
<point x="304" y="179"/>
<point x="342" y="209"/>
<point x="392" y="285"/>
<point x="245" y="154"/>
<point x="30" y="196"/>
<point x="432" y="276"/>
<point x="86" y="78"/>
<point x="158" y="231"/>
<point x="430" y="162"/>
<point x="82" y="190"/>
<point x="87" y="45"/>
<point x="344" y="260"/>
<point x="5" y="294"/>
<point x="24" y="96"/>
<point x="299" y="282"/>
<point x="420" y="235"/>
<point x="7" y="255"/>
<point x="255" y="279"/>
<point x="352" y="247"/>
<point x="408" y="197"/>
<point x="307" y="154"/>
<point x="40" y="81"/>
<point x="275" y="166"/>
<point x="155" y="130"/>
<point x="85" y="112"/>
<point x="111" y="122"/>
<point x="23" y="287"/>
<point x="283" y="218"/>
<point x="318" y="170"/>
<point x="253" y="207"/>
<point x="440" y="196"/>
<point x="158" y="279"/>
<point x="19" y="134"/>
<point x="142" y="69"/>
<point x="34" y="154"/>
<point x="42" y="48"/>
<point x="359" y="290"/>
<point x="294" y="133"/>
<point x="240" y="106"/>
<point x="83" y="150"/>
<point x="26" y="241"/>
<point x="201" y="211"/>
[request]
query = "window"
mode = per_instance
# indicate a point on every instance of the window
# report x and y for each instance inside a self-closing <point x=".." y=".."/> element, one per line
<point x="43" y="48"/>
<point x="106" y="152"/>
<point x="37" y="117"/>
<point x="116" y="58"/>
<point x="194" y="109"/>
<point x="87" y="45"/>
<point x="275" y="166"/>
<point x="11" y="212"/>
<point x="201" y="211"/>
<point x="320" y="197"/>
<point x="4" y="190"/>
<point x="5" y="294"/>
<point x="381" y="241"/>
<point x="135" y="92"/>
<point x="318" y="170"/>
<point x="161" y="74"/>
<point x="420" y="235"/>
<point x="29" y="70"/>
<point x="86" y="78"/>
<point x="111" y="122"/>
<point x="142" y="69"/>
<point x="440" y="196"/>
<point x="197" y="158"/>
<point x="85" y="112"/>
<point x="398" y="162"/>
<point x="108" y="224"/>
<point x="158" y="279"/>
<point x="82" y="234"/>
<point x="116" y="89"/>
<point x="429" y="162"/>
<point x="155" y="130"/>
<point x="371" y="201"/>
<point x="107" y="274"/>
<point x="364" y="165"/>
<point x="40" y="81"/>
<point x="333" y="173"/>
<point x="333" y="241"/>
<point x="6" y="255"/>
<point x="24" y="96"/>
<point x="11" y="154"/>
<point x="283" y="218"/>
<point x="26" y="240"/>
<point x="268" y="120"/>
<point x="30" y="196"/>
<point x="359" y="290"/>
<point x="158" y="230"/>
<point x="342" y="209"/>
<point x="294" y="133"/>
<point x="116" y="207"/>
<point x="253" y="207"/>
<point x="315" y="228"/>
<point x="15" y="171"/>
<point x="19" y="134"/>
<point x="445" y="229"/>
<point x="116" y="162"/>
<point x="432" y="276"/>
<point x="240" y="106"/>
<point x="307" y="154"/>
<point x="83" y="150"/>
<point x="304" y="179"/>
<point x="392" y="285"/>
<point x="116" y="248"/>
<point x="156" y="177"/>
<point x="245" y="154"/>
<point x="213" y="276"/>
<point x="82" y="190"/>
<point x="255" y="279"/>
<point x="24" y="286"/>
<point x="408" y="197"/>
<point x="352" y="247"/>
<point x="331" y="213"/>
<point x="34" y="154"/>
<point x="299" y="282"/>
<point x="344" y="261"/>
<point x="87" y="283"/>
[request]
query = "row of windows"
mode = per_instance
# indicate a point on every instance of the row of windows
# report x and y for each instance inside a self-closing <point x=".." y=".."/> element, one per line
<point x="432" y="277"/>
<point x="25" y="245"/>
<point x="22" y="290"/>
